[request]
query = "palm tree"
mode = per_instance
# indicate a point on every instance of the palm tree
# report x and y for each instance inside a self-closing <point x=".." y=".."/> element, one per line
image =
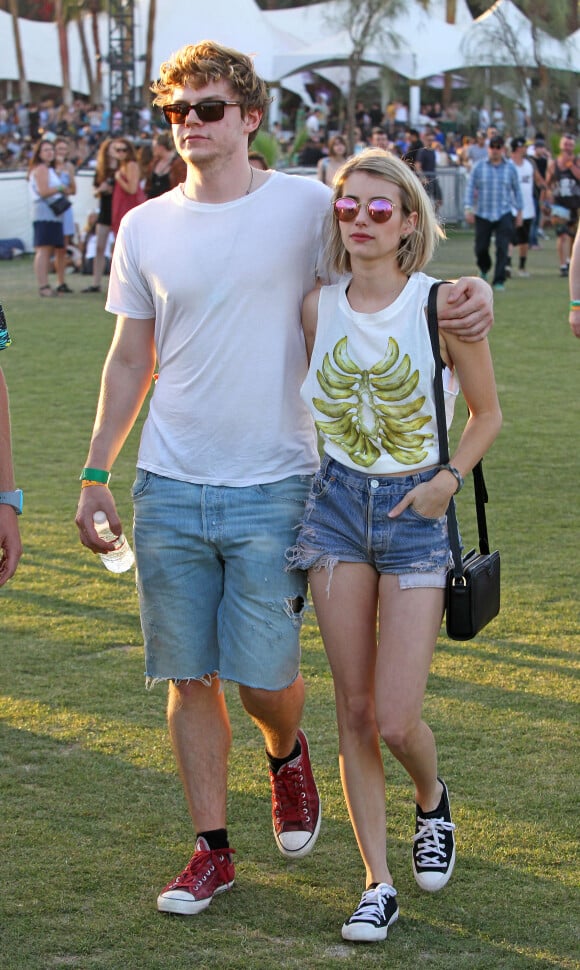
<point x="148" y="68"/>
<point x="23" y="86"/>
<point x="362" y="20"/>
<point x="59" y="16"/>
<point x="450" y="14"/>
<point x="94" y="71"/>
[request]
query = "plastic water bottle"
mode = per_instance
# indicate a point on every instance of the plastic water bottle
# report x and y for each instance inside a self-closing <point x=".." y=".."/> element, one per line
<point x="121" y="558"/>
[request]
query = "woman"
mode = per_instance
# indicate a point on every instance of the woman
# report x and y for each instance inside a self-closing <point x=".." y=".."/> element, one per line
<point x="127" y="191"/>
<point x="374" y="535"/>
<point x="66" y="173"/>
<point x="330" y="164"/>
<point x="45" y="186"/>
<point x="160" y="174"/>
<point x="107" y="163"/>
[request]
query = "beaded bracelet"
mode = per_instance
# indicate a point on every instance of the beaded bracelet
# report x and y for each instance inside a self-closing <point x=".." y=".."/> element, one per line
<point x="85" y="482"/>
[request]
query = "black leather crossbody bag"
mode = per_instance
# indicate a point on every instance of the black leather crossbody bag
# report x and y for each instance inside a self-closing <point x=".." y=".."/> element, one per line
<point x="472" y="596"/>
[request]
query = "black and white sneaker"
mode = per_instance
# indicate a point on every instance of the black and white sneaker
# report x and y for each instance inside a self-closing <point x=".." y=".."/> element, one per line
<point x="376" y="911"/>
<point x="434" y="845"/>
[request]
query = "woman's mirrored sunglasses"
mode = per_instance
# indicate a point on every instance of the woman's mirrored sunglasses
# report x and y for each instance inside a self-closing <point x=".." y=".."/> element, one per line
<point x="379" y="210"/>
<point x="176" y="114"/>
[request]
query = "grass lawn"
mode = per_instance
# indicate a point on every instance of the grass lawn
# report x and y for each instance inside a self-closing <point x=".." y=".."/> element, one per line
<point x="93" y="816"/>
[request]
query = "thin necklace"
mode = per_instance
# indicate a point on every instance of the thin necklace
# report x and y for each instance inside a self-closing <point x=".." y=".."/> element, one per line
<point x="247" y="192"/>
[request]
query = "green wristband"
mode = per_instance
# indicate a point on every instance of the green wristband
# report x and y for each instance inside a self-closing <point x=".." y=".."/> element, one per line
<point x="95" y="475"/>
<point x="575" y="304"/>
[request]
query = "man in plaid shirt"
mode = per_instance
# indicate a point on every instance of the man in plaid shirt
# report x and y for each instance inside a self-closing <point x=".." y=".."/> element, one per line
<point x="493" y="193"/>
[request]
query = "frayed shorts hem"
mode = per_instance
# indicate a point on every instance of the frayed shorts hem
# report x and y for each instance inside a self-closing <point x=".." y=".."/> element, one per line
<point x="208" y="679"/>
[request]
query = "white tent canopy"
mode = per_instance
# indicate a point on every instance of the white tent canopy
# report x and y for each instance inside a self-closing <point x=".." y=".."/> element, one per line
<point x="423" y="44"/>
<point x="282" y="41"/>
<point x="504" y="36"/>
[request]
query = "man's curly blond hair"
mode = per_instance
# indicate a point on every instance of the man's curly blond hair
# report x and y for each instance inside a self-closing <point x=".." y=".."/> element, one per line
<point x="197" y="65"/>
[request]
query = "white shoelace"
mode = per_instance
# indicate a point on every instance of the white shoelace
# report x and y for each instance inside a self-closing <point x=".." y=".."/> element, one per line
<point x="432" y="853"/>
<point x="372" y="903"/>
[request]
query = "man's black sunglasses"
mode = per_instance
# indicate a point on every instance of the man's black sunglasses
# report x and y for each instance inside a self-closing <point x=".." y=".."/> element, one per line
<point x="176" y="114"/>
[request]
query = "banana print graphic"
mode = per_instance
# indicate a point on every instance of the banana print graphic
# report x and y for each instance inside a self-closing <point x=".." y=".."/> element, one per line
<point x="363" y="408"/>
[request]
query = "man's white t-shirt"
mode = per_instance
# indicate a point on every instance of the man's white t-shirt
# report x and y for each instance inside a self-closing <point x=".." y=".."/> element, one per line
<point x="225" y="284"/>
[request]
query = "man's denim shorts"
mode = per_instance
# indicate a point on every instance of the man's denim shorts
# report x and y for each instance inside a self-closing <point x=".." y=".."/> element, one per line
<point x="215" y="597"/>
<point x="346" y="520"/>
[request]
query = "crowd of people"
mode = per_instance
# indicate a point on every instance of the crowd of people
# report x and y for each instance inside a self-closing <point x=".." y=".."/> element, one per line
<point x="516" y="192"/>
<point x="124" y="176"/>
<point x="541" y="195"/>
<point x="90" y="136"/>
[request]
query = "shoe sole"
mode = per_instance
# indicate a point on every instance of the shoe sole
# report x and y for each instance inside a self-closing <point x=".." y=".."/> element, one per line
<point x="365" y="932"/>
<point x="183" y="907"/>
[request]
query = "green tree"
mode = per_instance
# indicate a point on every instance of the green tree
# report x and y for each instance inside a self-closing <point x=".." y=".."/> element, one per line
<point x="551" y="17"/>
<point x="363" y="21"/>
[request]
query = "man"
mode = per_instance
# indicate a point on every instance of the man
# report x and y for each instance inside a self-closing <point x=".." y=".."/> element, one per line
<point x="563" y="179"/>
<point x="539" y="156"/>
<point x="426" y="169"/>
<point x="208" y="280"/>
<point x="379" y="138"/>
<point x="10" y="498"/>
<point x="415" y="146"/>
<point x="529" y="178"/>
<point x="477" y="150"/>
<point x="493" y="191"/>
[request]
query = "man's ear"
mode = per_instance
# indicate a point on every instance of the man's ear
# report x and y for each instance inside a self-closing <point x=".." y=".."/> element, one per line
<point x="252" y="119"/>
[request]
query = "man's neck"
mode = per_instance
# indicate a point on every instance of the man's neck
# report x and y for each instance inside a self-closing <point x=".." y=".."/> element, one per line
<point x="216" y="186"/>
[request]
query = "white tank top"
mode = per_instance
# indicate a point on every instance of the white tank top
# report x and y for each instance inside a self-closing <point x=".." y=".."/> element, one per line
<point x="370" y="382"/>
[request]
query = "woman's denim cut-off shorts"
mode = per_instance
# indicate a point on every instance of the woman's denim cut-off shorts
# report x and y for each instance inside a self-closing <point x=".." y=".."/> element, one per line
<point x="346" y="520"/>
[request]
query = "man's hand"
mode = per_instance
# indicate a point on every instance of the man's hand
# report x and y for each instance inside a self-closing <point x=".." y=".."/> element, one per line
<point x="93" y="499"/>
<point x="468" y="310"/>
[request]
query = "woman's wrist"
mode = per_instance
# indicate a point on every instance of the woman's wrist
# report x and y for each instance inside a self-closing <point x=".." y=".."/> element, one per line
<point x="454" y="475"/>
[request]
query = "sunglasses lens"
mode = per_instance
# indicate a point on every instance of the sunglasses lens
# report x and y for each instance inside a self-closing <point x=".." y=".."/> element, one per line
<point x="380" y="210"/>
<point x="210" y="110"/>
<point x="175" y="114"/>
<point x="346" y="209"/>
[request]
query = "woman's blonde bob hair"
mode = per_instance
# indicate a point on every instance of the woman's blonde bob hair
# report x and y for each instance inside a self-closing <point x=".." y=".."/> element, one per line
<point x="416" y="250"/>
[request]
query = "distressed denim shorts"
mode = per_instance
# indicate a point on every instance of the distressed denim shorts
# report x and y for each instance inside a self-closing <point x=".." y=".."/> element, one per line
<point x="346" y="520"/>
<point x="215" y="597"/>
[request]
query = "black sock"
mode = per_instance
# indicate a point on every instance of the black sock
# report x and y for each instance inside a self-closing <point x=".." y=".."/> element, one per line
<point x="522" y="262"/>
<point x="215" y="838"/>
<point x="276" y="763"/>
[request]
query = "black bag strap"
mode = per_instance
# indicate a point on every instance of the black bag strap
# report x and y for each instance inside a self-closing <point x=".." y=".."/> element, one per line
<point x="480" y="490"/>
